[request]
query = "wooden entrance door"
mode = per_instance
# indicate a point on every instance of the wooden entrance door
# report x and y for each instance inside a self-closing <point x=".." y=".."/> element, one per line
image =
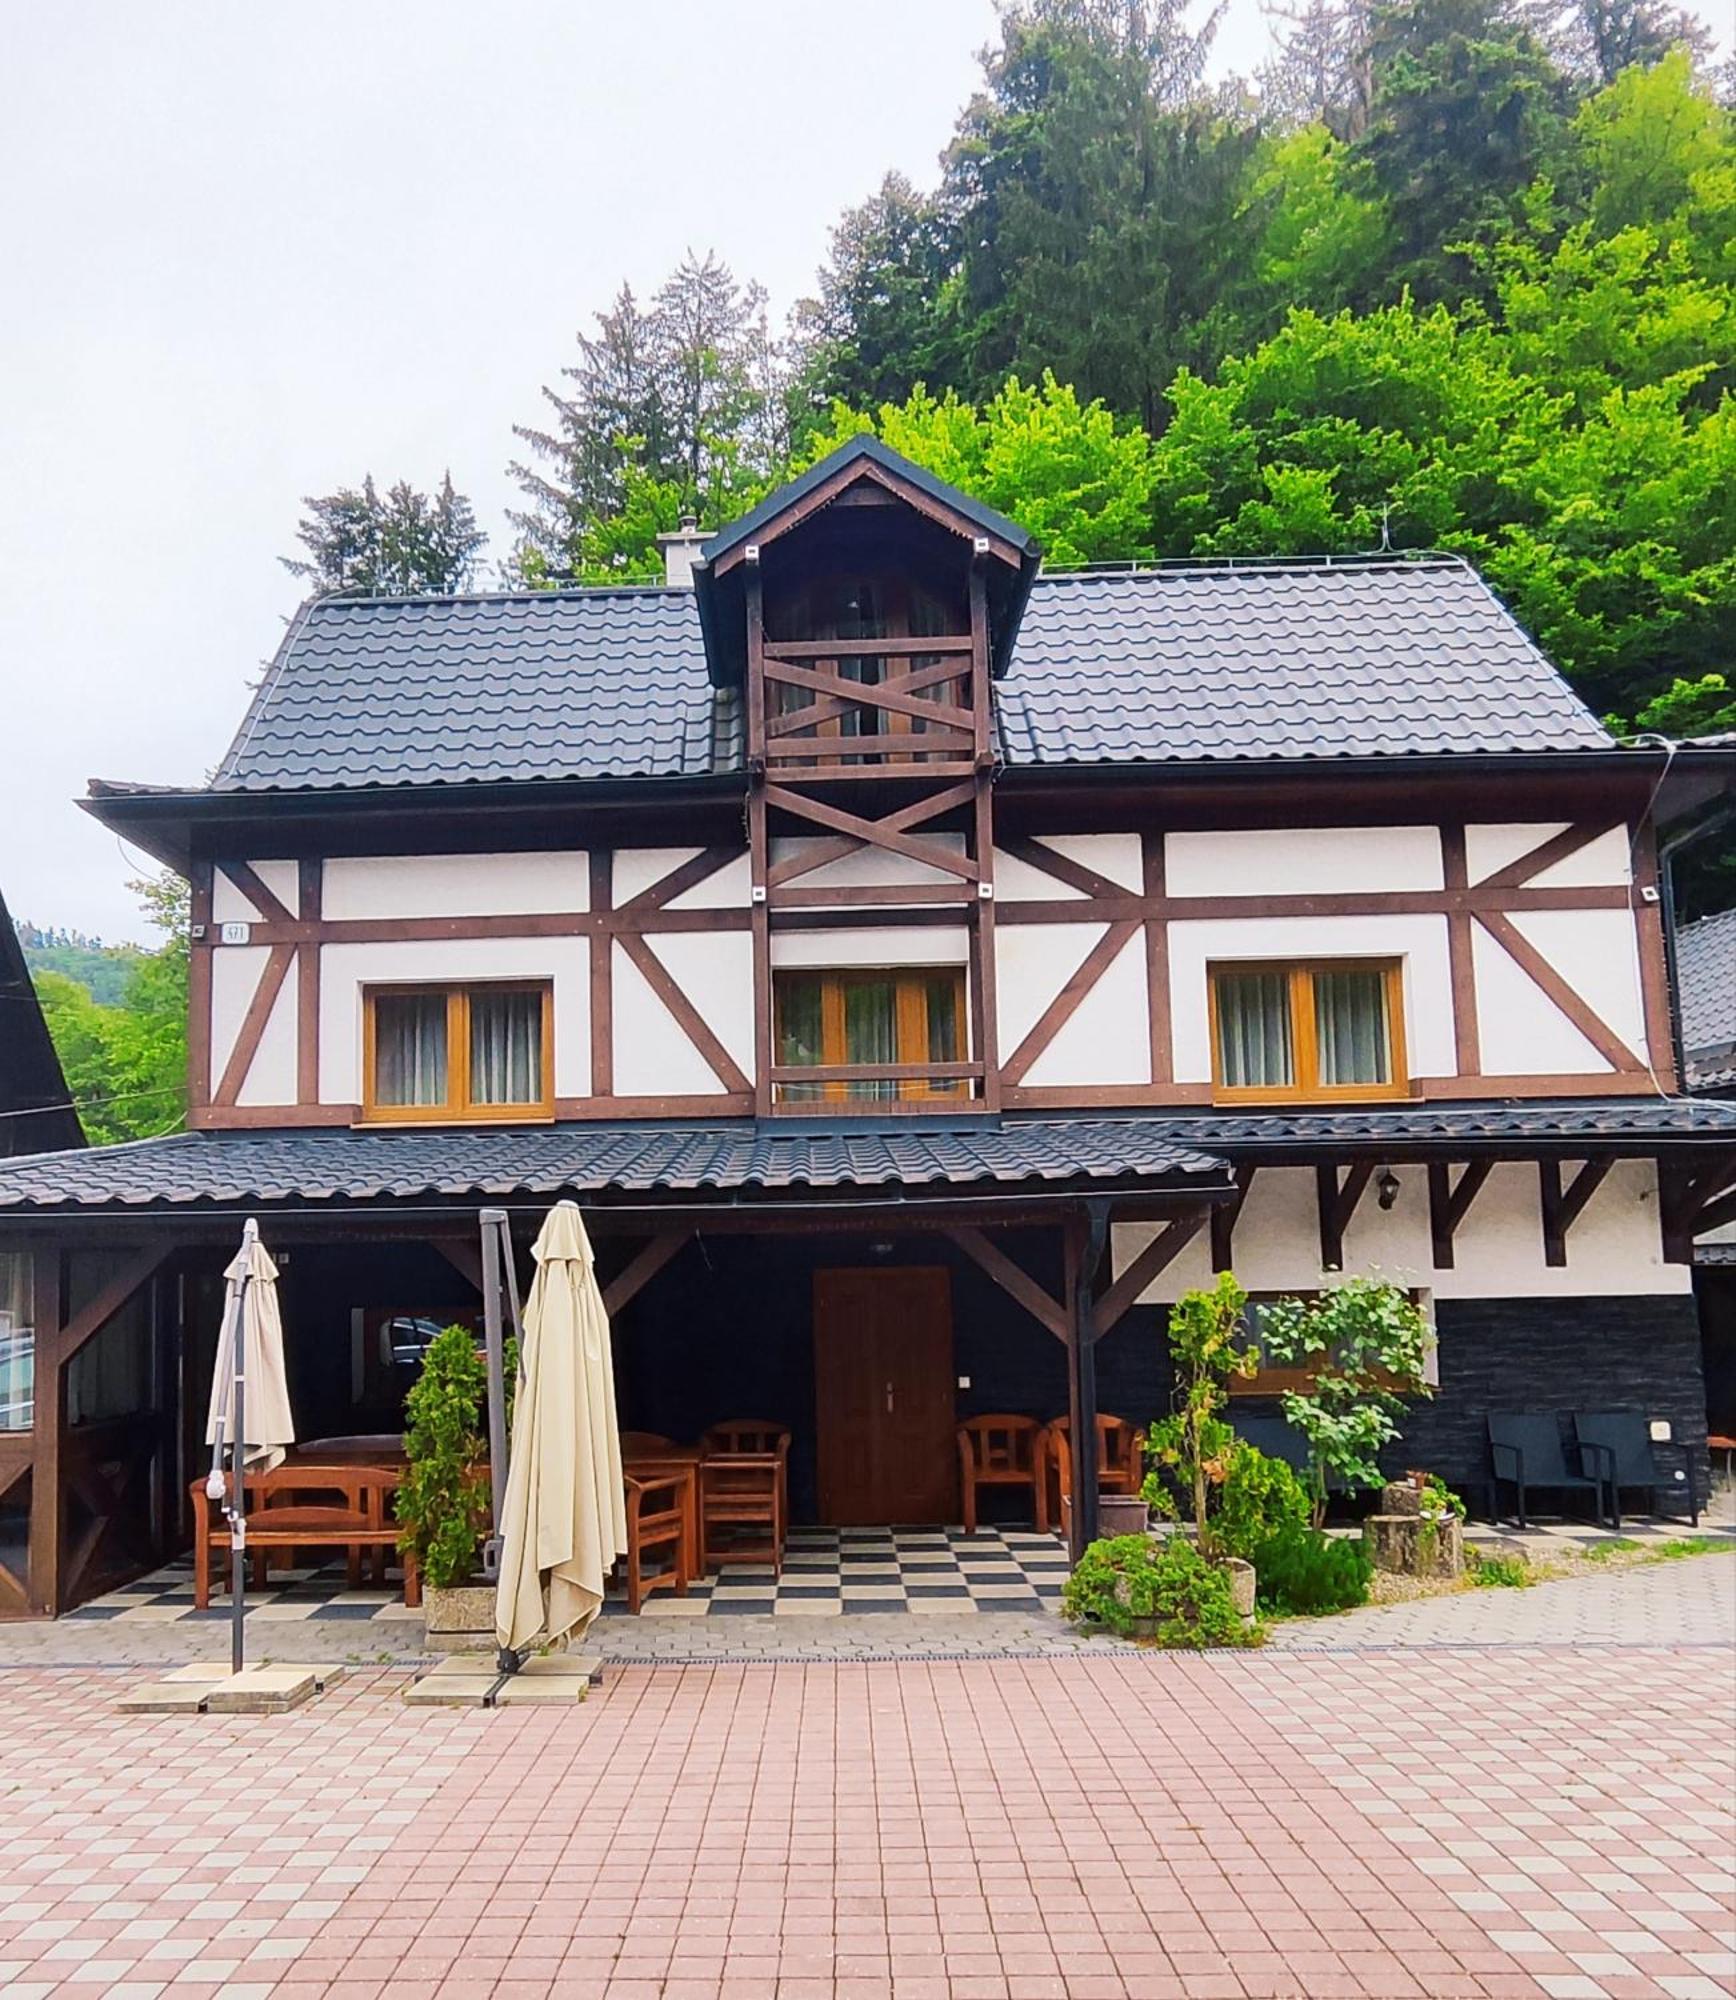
<point x="883" y="1396"/>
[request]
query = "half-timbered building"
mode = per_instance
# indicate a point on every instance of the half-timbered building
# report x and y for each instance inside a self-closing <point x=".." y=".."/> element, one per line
<point x="922" y="969"/>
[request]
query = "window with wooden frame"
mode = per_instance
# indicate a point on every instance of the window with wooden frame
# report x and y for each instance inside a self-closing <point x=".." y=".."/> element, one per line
<point x="1316" y="1030"/>
<point x="431" y="1053"/>
<point x="907" y="1021"/>
<point x="1273" y="1378"/>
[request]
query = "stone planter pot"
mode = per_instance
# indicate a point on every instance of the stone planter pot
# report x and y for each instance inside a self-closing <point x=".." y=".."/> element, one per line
<point x="460" y="1618"/>
<point x="1117" y="1514"/>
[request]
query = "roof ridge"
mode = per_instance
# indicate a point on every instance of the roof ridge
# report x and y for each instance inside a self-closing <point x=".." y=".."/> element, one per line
<point x="339" y="600"/>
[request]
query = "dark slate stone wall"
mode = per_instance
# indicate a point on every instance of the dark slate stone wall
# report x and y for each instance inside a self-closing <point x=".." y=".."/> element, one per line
<point x="1563" y="1355"/>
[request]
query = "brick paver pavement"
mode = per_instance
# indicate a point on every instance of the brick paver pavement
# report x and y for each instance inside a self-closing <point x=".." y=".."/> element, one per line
<point x="1433" y="1820"/>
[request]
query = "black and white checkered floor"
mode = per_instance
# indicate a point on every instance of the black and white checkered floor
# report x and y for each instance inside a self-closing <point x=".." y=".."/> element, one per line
<point x="827" y="1571"/>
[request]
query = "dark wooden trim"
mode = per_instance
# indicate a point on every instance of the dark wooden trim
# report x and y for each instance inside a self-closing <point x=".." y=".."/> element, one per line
<point x="899" y="1072"/>
<point x="1337" y="1204"/>
<point x="1654" y="962"/>
<point x="199" y="987"/>
<point x="659" y="894"/>
<point x="1067" y="1002"/>
<point x="1013" y="1279"/>
<point x="687" y="1017"/>
<point x="870" y="832"/>
<point x="1449" y="1204"/>
<point x="1531" y="961"/>
<point x="95" y="1314"/>
<point x="710" y="1104"/>
<point x="1062" y="867"/>
<point x="1561" y="1207"/>
<point x="1094" y="1096"/>
<point x="982" y="973"/>
<point x="1592" y="1083"/>
<point x="838" y="694"/>
<point x="1461" y="959"/>
<point x="790" y="652"/>
<point x="1225" y="1216"/>
<point x="759" y="846"/>
<point x="1545" y="855"/>
<point x="631" y="1280"/>
<point x="866" y="902"/>
<point x="463" y="1254"/>
<point x="1333" y="903"/>
<point x="259" y="1117"/>
<point x="253" y="1024"/>
<point x="916" y="812"/>
<point x="601" y="869"/>
<point x="310" y="892"/>
<point x="1157" y="1256"/>
<point x="831" y="489"/>
<point x="1162" y="1026"/>
<point x="244" y="878"/>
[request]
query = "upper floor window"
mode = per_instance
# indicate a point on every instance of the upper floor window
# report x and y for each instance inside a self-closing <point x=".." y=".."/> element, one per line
<point x="1326" y="1029"/>
<point x="871" y="1023"/>
<point x="434" y="1052"/>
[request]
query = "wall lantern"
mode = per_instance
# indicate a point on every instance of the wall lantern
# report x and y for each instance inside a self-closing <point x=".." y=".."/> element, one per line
<point x="1386" y="1187"/>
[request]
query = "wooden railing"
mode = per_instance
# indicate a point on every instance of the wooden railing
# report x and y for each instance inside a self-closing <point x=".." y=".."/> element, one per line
<point x="919" y="713"/>
<point x="843" y="1086"/>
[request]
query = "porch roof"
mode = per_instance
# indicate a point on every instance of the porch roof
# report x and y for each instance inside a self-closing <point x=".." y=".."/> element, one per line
<point x="202" y="1169"/>
<point x="1180" y="1151"/>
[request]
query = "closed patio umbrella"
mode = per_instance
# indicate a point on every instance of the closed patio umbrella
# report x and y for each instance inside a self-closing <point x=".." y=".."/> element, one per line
<point x="251" y="1303"/>
<point x="564" y="1521"/>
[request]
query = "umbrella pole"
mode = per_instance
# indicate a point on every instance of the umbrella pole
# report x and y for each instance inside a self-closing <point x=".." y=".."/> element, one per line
<point x="238" y="1500"/>
<point x="493" y="1236"/>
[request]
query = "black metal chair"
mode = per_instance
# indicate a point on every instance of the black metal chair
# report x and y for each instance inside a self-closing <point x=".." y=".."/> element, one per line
<point x="1525" y="1452"/>
<point x="1618" y="1445"/>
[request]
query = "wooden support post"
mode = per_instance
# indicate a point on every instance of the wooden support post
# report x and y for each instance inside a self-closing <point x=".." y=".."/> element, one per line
<point x="633" y="1277"/>
<point x="47" y="1499"/>
<point x="1562" y="1207"/>
<point x="310" y="895"/>
<point x="1082" y="1248"/>
<point x="1225" y="1216"/>
<point x="759" y="848"/>
<point x="1448" y="1204"/>
<point x="1337" y="1206"/>
<point x="602" y="876"/>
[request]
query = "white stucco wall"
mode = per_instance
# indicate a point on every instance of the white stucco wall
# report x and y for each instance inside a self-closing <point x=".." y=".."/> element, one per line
<point x="1298" y="861"/>
<point x="230" y="906"/>
<point x="1600" y="862"/>
<point x="653" y="1055"/>
<point x="876" y="947"/>
<point x="455" y="885"/>
<point x="1614" y="1250"/>
<point x="236" y="971"/>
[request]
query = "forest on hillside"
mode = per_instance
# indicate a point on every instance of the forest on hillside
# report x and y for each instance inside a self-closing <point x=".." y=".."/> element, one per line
<point x="1450" y="274"/>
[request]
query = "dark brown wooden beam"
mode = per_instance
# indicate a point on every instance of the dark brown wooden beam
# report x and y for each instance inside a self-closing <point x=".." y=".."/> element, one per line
<point x="1337" y="1205"/>
<point x="253" y="1023"/>
<point x="48" y="1436"/>
<point x="1531" y="961"/>
<point x="310" y="891"/>
<point x="1157" y="1256"/>
<point x="1461" y="959"/>
<point x="1563" y="1206"/>
<point x="631" y="1280"/>
<point x="1067" y="1002"/>
<point x="1449" y="1204"/>
<point x="1225" y="1216"/>
<point x="692" y="1023"/>
<point x="269" y="906"/>
<point x="1545" y="855"/>
<point x="1017" y="1283"/>
<point x="1060" y="867"/>
<point x="463" y="1254"/>
<point x="602" y="951"/>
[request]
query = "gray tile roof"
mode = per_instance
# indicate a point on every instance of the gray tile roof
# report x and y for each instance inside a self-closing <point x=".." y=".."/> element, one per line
<point x="238" y="1167"/>
<point x="1706" y="985"/>
<point x="1393" y="658"/>
<point x="229" y="1169"/>
<point x="1363" y="659"/>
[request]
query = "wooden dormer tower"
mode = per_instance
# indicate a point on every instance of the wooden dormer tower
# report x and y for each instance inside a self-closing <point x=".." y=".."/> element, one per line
<point x="863" y="610"/>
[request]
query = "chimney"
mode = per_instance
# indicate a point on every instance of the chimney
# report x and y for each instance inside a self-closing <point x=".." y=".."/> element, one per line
<point x="680" y="552"/>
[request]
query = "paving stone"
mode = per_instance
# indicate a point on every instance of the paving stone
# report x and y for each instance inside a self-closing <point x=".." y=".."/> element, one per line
<point x="563" y="1666"/>
<point x="451" y="1690"/>
<point x="260" y="1691"/>
<point x="540" y="1691"/>
<point x="164" y="1698"/>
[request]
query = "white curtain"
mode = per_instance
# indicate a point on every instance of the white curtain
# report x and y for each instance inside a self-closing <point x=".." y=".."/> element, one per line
<point x="871" y="1031"/>
<point x="1350" y="1026"/>
<point x="506" y="1048"/>
<point x="1254" y="1030"/>
<point x="410" y="1048"/>
<point x="17" y="1342"/>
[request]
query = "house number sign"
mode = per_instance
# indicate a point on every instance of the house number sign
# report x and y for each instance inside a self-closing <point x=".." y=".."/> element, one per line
<point x="235" y="933"/>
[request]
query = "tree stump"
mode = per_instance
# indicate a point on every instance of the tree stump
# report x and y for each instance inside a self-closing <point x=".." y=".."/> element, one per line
<point x="1414" y="1544"/>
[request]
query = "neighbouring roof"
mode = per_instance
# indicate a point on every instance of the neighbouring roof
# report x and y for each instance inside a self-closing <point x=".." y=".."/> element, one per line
<point x="1028" y="1154"/>
<point x="1706" y="989"/>
<point x="36" y="1109"/>
<point x="1395" y="657"/>
<point x="346" y="1166"/>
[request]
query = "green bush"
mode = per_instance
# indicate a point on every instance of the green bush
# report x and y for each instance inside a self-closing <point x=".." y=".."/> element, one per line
<point x="1261" y="1497"/>
<point x="1302" y="1571"/>
<point x="1499" y="1572"/>
<point x="444" y="1500"/>
<point x="1131" y="1579"/>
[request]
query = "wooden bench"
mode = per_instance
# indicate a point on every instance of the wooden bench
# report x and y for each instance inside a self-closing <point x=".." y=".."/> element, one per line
<point x="301" y="1506"/>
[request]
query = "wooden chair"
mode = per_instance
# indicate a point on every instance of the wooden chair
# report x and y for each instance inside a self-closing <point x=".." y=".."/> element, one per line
<point x="753" y="1434"/>
<point x="645" y="1444"/>
<point x="1120" y="1458"/>
<point x="741" y="1508"/>
<point x="656" y="1519"/>
<point x="1001" y="1450"/>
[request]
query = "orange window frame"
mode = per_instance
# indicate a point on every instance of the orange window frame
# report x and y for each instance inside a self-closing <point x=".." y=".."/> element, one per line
<point x="458" y="1105"/>
<point x="1273" y="1379"/>
<point x="910" y="1015"/>
<point x="1307" y="1087"/>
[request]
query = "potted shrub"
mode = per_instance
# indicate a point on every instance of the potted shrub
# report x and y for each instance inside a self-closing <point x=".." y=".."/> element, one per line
<point x="1156" y="1587"/>
<point x="443" y="1504"/>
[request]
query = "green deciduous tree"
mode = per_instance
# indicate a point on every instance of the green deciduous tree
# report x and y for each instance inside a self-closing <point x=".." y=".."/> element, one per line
<point x="402" y="545"/>
<point x="1064" y="470"/>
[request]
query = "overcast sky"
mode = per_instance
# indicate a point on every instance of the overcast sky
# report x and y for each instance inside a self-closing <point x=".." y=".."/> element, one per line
<point x="253" y="252"/>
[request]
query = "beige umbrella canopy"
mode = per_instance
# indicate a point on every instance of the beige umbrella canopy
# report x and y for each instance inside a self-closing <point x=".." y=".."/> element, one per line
<point x="269" y="1424"/>
<point x="565" y="1517"/>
